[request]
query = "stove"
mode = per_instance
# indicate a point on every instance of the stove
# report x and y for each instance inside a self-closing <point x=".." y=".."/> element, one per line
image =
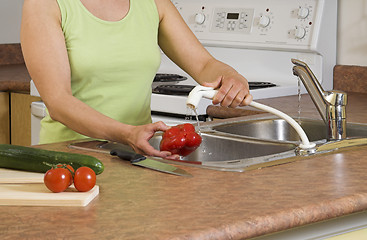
<point x="258" y="38"/>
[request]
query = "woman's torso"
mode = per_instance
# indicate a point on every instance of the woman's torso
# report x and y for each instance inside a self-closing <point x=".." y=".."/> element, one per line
<point x="112" y="63"/>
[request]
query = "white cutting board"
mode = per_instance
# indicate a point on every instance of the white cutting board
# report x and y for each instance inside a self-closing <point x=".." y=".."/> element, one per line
<point x="15" y="176"/>
<point x="27" y="189"/>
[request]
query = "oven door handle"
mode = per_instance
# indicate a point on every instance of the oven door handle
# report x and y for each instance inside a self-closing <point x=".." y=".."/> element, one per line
<point x="38" y="109"/>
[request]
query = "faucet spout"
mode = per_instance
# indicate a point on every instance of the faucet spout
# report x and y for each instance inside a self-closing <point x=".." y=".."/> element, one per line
<point x="330" y="104"/>
<point x="197" y="94"/>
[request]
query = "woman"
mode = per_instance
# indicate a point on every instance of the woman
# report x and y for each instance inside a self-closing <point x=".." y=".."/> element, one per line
<point x="93" y="62"/>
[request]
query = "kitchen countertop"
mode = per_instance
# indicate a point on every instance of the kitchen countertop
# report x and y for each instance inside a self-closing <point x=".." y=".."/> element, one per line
<point x="14" y="78"/>
<point x="138" y="203"/>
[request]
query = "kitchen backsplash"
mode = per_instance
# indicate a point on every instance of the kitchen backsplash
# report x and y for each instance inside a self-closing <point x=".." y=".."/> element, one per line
<point x="350" y="78"/>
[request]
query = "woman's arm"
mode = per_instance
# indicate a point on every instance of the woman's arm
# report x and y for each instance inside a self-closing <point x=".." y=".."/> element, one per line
<point x="45" y="54"/>
<point x="181" y="46"/>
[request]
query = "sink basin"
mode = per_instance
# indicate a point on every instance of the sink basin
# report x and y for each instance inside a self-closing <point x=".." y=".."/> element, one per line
<point x="275" y="129"/>
<point x="235" y="154"/>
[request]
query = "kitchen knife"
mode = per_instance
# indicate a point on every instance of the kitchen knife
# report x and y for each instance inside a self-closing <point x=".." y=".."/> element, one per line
<point x="140" y="160"/>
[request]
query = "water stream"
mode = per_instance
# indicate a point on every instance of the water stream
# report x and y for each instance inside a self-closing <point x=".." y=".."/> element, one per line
<point x="188" y="117"/>
<point x="299" y="101"/>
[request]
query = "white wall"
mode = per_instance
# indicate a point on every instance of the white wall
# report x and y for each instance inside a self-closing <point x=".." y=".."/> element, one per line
<point x="352" y="32"/>
<point x="10" y="17"/>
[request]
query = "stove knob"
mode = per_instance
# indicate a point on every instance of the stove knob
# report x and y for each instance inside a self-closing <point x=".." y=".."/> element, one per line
<point x="300" y="32"/>
<point x="264" y="21"/>
<point x="303" y="12"/>
<point x="200" y="18"/>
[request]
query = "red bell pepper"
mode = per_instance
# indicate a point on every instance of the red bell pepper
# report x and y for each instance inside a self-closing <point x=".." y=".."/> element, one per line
<point x="181" y="139"/>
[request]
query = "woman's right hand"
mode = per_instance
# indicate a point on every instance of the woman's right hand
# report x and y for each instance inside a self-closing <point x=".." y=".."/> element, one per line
<point x="139" y="137"/>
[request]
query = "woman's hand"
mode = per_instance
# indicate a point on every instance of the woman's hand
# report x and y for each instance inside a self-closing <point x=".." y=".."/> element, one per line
<point x="139" y="138"/>
<point x="233" y="90"/>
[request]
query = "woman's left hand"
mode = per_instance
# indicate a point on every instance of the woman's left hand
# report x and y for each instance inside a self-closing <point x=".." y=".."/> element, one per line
<point x="139" y="137"/>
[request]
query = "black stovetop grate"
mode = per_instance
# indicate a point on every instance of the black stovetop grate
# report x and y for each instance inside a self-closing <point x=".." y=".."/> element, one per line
<point x="184" y="90"/>
<point x="168" y="77"/>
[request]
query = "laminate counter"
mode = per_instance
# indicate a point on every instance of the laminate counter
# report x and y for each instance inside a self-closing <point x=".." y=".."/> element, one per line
<point x="138" y="203"/>
<point x="14" y="78"/>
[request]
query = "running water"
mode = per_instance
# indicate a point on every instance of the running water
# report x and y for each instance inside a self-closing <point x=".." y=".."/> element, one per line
<point x="188" y="114"/>
<point x="189" y="111"/>
<point x="299" y="101"/>
<point x="197" y="120"/>
<point x="188" y="117"/>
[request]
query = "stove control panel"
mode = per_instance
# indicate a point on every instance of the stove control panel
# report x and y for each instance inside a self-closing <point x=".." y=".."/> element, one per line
<point x="232" y="20"/>
<point x="284" y="24"/>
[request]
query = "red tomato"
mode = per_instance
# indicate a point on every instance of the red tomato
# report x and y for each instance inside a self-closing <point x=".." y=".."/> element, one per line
<point x="57" y="179"/>
<point x="70" y="170"/>
<point x="84" y="179"/>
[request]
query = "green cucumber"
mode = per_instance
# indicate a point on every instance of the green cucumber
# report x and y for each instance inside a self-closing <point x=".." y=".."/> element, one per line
<point x="39" y="160"/>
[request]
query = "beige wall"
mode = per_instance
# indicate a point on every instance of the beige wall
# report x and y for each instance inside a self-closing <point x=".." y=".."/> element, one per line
<point x="352" y="32"/>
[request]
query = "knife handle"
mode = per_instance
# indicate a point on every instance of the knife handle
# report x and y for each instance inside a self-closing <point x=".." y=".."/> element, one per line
<point x="126" y="155"/>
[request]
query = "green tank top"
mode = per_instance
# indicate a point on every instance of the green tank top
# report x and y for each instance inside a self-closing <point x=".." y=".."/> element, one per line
<point x="112" y="64"/>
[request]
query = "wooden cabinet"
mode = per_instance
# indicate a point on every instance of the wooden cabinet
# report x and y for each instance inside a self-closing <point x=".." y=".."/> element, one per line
<point x="4" y="118"/>
<point x="20" y="118"/>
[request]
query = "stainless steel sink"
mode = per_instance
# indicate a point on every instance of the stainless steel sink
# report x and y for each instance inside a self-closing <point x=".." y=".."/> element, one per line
<point x="250" y="144"/>
<point x="227" y="153"/>
<point x="275" y="129"/>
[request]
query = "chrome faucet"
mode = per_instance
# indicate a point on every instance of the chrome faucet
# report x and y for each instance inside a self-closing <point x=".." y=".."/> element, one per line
<point x="330" y="104"/>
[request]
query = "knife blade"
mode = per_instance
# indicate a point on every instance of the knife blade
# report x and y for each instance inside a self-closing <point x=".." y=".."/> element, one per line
<point x="140" y="160"/>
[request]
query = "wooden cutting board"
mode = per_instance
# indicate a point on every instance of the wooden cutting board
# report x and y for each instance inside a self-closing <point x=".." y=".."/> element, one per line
<point x="27" y="189"/>
<point x="15" y="176"/>
<point x="37" y="194"/>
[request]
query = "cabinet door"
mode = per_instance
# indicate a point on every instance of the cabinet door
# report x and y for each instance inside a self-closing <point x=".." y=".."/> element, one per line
<point x="4" y="118"/>
<point x="21" y="118"/>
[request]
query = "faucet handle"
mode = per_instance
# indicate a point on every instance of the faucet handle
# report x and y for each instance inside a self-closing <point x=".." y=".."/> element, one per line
<point x="336" y="97"/>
